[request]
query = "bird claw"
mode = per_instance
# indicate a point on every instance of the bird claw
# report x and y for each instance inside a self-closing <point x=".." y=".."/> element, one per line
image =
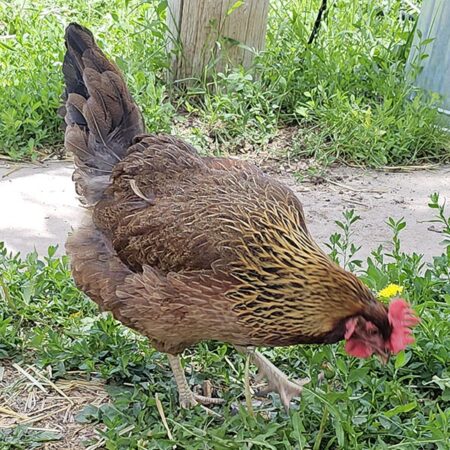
<point x="259" y="376"/>
<point x="187" y="398"/>
<point x="208" y="400"/>
<point x="190" y="400"/>
<point x="277" y="380"/>
<point x="285" y="388"/>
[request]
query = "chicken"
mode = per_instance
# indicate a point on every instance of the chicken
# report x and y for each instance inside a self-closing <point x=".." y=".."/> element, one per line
<point x="184" y="248"/>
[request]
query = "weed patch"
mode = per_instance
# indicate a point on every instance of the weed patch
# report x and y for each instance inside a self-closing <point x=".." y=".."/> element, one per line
<point x="347" y="91"/>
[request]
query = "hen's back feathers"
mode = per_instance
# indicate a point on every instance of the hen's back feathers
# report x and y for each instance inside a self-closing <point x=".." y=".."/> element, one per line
<point x="101" y="116"/>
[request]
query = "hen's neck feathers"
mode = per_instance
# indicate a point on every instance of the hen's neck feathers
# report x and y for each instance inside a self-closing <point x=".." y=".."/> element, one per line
<point x="287" y="282"/>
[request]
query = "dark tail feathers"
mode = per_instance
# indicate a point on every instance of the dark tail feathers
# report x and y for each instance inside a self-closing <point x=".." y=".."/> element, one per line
<point x="100" y="114"/>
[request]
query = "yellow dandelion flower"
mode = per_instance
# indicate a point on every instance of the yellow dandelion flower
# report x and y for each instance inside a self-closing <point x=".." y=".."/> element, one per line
<point x="75" y="314"/>
<point x="390" y="290"/>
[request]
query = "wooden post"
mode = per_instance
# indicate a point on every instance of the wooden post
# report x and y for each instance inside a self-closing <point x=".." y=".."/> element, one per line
<point x="205" y="34"/>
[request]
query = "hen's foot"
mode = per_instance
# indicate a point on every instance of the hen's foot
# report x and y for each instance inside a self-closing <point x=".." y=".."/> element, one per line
<point x="191" y="399"/>
<point x="277" y="380"/>
<point x="187" y="398"/>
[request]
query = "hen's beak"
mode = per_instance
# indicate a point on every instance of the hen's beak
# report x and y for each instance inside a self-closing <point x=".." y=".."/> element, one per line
<point x="384" y="357"/>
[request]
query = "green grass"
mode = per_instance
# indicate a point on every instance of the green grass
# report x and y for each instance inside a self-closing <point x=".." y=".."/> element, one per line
<point x="360" y="404"/>
<point x="347" y="92"/>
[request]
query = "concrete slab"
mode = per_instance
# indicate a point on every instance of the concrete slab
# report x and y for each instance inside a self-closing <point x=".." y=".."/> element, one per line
<point x="38" y="206"/>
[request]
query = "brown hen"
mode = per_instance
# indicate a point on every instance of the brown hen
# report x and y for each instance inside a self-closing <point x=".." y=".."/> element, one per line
<point x="184" y="248"/>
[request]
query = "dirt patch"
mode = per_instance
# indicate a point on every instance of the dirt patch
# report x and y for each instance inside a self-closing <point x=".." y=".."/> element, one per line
<point x="30" y="399"/>
<point x="41" y="203"/>
<point x="376" y="196"/>
<point x="211" y="137"/>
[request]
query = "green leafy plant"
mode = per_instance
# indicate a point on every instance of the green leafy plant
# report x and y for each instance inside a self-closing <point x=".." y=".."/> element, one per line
<point x="347" y="92"/>
<point x="440" y="216"/>
<point x="342" y="249"/>
<point x="31" y="60"/>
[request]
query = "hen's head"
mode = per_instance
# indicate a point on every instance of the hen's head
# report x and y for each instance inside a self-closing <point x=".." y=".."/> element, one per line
<point x="382" y="331"/>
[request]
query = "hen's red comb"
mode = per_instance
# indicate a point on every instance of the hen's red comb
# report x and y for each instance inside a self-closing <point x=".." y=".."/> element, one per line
<point x="402" y="318"/>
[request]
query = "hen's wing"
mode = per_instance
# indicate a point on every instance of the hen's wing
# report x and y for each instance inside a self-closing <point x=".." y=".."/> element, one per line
<point x="171" y="209"/>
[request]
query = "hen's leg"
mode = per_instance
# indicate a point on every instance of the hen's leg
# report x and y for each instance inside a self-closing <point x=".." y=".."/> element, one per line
<point x="188" y="398"/>
<point x="277" y="380"/>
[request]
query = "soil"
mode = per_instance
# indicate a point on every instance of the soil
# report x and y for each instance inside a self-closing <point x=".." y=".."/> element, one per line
<point x="39" y="204"/>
